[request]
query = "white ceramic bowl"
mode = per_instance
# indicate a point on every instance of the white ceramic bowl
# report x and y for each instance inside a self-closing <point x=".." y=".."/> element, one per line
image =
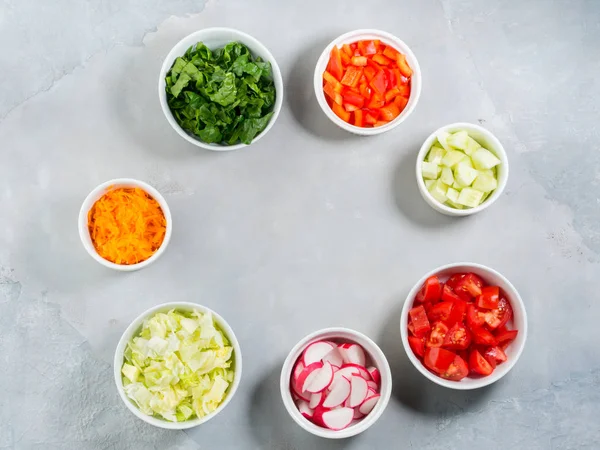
<point x="98" y="192"/>
<point x="518" y="321"/>
<point x="215" y="38"/>
<point x="378" y="360"/>
<point x="134" y="328"/>
<point x="387" y="39"/>
<point x="486" y="139"/>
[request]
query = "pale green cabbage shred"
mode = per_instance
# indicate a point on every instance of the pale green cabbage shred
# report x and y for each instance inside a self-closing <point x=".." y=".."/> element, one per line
<point x="179" y="366"/>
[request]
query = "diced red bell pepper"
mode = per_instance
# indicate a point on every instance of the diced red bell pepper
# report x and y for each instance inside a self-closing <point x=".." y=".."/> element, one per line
<point x="365" y="91"/>
<point x="353" y="98"/>
<point x="379" y="82"/>
<point x="380" y="59"/>
<point x="335" y="63"/>
<point x="371" y="117"/>
<point x="329" y="90"/>
<point x="345" y="58"/>
<point x="352" y="76"/>
<point x="369" y="72"/>
<point x="341" y="112"/>
<point x="367" y="48"/>
<point x="359" y="61"/>
<point x="404" y="90"/>
<point x="390" y="112"/>
<point x="380" y="123"/>
<point x="391" y="53"/>
<point x="403" y="66"/>
<point x="347" y="50"/>
<point x="358" y="118"/>
<point x="338" y="98"/>
<point x="401" y="102"/>
<point x="376" y="102"/>
<point x="391" y="94"/>
<point x="349" y="107"/>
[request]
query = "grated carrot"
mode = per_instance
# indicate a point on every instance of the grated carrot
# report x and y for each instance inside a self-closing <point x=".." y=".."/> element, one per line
<point x="126" y="225"/>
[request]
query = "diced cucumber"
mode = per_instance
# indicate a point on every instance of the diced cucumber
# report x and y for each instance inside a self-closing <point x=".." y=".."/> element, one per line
<point x="452" y="195"/>
<point x="470" y="197"/>
<point x="484" y="182"/>
<point x="430" y="170"/>
<point x="429" y="183"/>
<point x="484" y="159"/>
<point x="457" y="186"/>
<point x="467" y="161"/>
<point x="465" y="175"/>
<point x="490" y="172"/>
<point x="436" y="154"/>
<point x="472" y="145"/>
<point x="447" y="177"/>
<point x="452" y="157"/>
<point x="442" y="138"/>
<point x="458" y="140"/>
<point x="438" y="191"/>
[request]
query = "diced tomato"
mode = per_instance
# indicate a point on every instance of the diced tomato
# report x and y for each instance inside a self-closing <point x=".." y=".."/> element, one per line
<point x="440" y="311"/>
<point x="358" y="118"/>
<point x="367" y="48"/>
<point x="411" y="328"/>
<point x="352" y="76"/>
<point x="376" y="102"/>
<point x="391" y="94"/>
<point x="475" y="317"/>
<point x="359" y="60"/>
<point x="390" y="112"/>
<point x="438" y="359"/>
<point x="454" y="279"/>
<point x="489" y="298"/>
<point x="347" y="50"/>
<point x="350" y="107"/>
<point x="457" y="338"/>
<point x="437" y="335"/>
<point x="483" y="337"/>
<point x="478" y="364"/>
<point x="459" y="309"/>
<point x="335" y="63"/>
<point x="495" y="354"/>
<point x="379" y="82"/>
<point x="370" y="118"/>
<point x="380" y="59"/>
<point x="404" y="90"/>
<point x="506" y="336"/>
<point x="380" y="123"/>
<point x="401" y="102"/>
<point x="457" y="370"/>
<point x="353" y="98"/>
<point x="341" y="112"/>
<point x="403" y="65"/>
<point x="431" y="291"/>
<point x="448" y="294"/>
<point x="498" y="317"/>
<point x="391" y="53"/>
<point x="417" y="345"/>
<point x="469" y="286"/>
<point x="418" y="318"/>
<point x="365" y="91"/>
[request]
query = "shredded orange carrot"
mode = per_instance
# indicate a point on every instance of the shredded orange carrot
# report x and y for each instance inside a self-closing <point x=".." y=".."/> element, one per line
<point x="126" y="225"/>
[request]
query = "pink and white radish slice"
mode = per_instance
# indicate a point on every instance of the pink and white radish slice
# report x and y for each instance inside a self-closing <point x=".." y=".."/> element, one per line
<point x="375" y="375"/>
<point x="334" y="357"/>
<point x="353" y="354"/>
<point x="316" y="399"/>
<point x="369" y="403"/>
<point x="316" y="351"/>
<point x="372" y="385"/>
<point x="359" y="391"/>
<point x="318" y="380"/>
<point x="340" y="391"/>
<point x="337" y="419"/>
<point x="297" y="386"/>
<point x="304" y="409"/>
<point x="345" y="372"/>
<point x="361" y="370"/>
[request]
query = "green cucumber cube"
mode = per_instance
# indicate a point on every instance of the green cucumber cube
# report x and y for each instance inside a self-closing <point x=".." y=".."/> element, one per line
<point x="484" y="159"/>
<point x="430" y="170"/>
<point x="465" y="175"/>
<point x="470" y="197"/>
<point x="485" y="183"/>
<point x="436" y="154"/>
<point x="442" y="138"/>
<point x="438" y="191"/>
<point x="429" y="183"/>
<point x="452" y="158"/>
<point x="458" y="140"/>
<point x="452" y="195"/>
<point x="447" y="177"/>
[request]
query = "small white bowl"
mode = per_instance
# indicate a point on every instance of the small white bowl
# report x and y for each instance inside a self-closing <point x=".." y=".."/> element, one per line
<point x="518" y="321"/>
<point x="387" y="39"/>
<point x="98" y="192"/>
<point x="134" y="328"/>
<point x="378" y="360"/>
<point x="486" y="139"/>
<point x="215" y="38"/>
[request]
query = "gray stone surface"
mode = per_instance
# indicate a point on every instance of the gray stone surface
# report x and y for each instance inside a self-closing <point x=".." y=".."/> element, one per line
<point x="309" y="228"/>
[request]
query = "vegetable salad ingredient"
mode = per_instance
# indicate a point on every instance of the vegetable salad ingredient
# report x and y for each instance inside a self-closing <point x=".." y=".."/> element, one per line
<point x="367" y="83"/>
<point x="458" y="171"/>
<point x="223" y="96"/>
<point x="126" y="225"/>
<point x="179" y="366"/>
<point x="334" y="395"/>
<point x="463" y="329"/>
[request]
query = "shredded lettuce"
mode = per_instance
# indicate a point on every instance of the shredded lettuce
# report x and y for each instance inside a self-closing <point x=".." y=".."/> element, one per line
<point x="179" y="366"/>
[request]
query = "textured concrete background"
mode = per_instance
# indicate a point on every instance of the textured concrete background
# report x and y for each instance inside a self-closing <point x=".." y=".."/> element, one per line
<point x="309" y="228"/>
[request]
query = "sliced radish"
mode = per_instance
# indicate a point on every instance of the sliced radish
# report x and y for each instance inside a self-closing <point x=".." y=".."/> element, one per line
<point x="359" y="390"/>
<point x="369" y="403"/>
<point x="316" y="399"/>
<point x="337" y="419"/>
<point x="297" y="385"/>
<point x="362" y="370"/>
<point x="354" y="422"/>
<point x="318" y="380"/>
<point x="371" y="392"/>
<point x="353" y="354"/>
<point x="345" y="372"/>
<point x="318" y="415"/>
<point x="357" y="414"/>
<point x="334" y="357"/>
<point x="316" y="351"/>
<point x="298" y="370"/>
<point x="375" y="375"/>
<point x="304" y="409"/>
<point x="339" y="393"/>
<point x="372" y="385"/>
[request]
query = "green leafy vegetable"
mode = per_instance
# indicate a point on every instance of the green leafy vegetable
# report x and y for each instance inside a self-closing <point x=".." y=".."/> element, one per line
<point x="223" y="96"/>
<point x="179" y="366"/>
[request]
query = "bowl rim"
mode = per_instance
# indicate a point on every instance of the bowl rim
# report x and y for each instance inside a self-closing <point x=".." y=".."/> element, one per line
<point x="131" y="330"/>
<point x="95" y="195"/>
<point x="516" y="303"/>
<point x="416" y="82"/>
<point x="373" y="350"/>
<point x="245" y="39"/>
<point x="498" y="150"/>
